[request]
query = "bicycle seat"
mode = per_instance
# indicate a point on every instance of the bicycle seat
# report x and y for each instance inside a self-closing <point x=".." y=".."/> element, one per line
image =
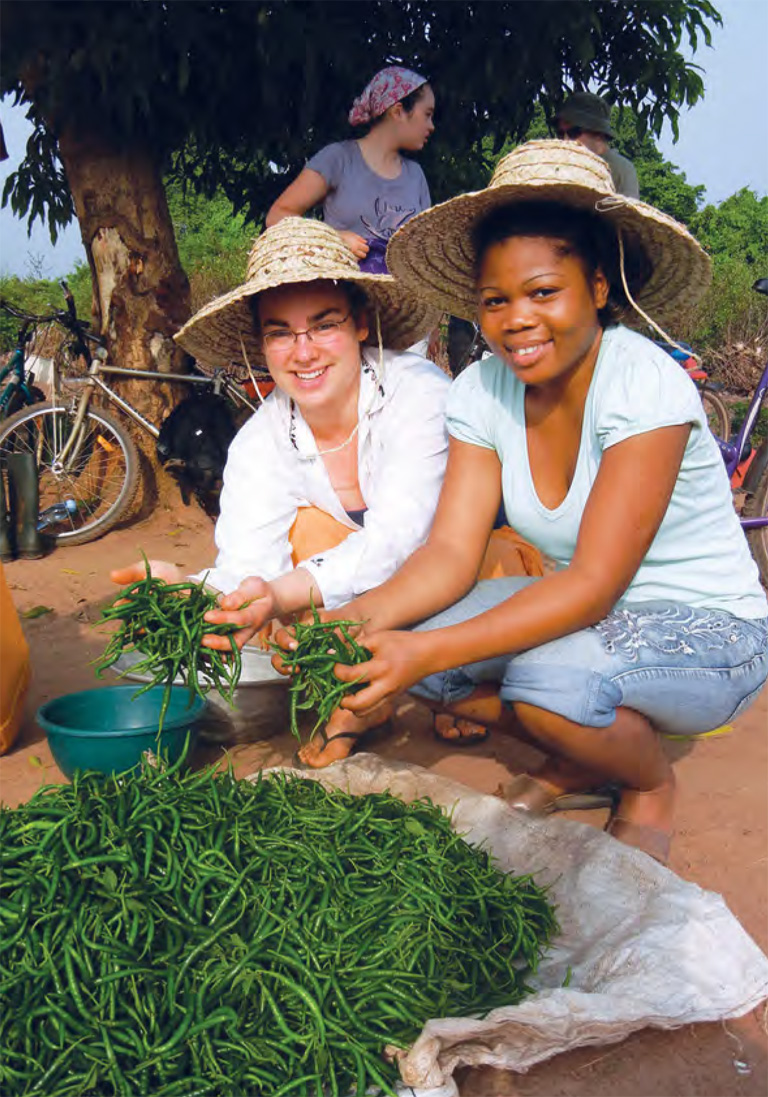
<point x="761" y="285"/>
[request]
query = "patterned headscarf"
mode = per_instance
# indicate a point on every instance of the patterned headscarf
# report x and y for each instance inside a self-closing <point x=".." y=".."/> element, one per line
<point x="387" y="88"/>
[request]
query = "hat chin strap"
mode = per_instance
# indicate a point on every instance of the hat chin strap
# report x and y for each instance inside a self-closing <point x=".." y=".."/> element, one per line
<point x="250" y="370"/>
<point x="636" y="307"/>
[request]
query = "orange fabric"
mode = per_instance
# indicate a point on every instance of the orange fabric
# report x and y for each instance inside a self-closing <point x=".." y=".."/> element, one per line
<point x="507" y="553"/>
<point x="314" y="531"/>
<point x="14" y="668"/>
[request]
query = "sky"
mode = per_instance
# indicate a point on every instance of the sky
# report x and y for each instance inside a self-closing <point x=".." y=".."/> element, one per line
<point x="723" y="139"/>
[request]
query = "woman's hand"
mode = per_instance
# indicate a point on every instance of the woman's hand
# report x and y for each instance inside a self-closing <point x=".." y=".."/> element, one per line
<point x="400" y="659"/>
<point x="357" y="244"/>
<point x="161" y="569"/>
<point x="249" y="607"/>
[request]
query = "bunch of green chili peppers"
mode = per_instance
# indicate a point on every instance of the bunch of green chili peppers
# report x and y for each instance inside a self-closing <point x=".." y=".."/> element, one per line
<point x="319" y="646"/>
<point x="165" y="622"/>
<point x="185" y="933"/>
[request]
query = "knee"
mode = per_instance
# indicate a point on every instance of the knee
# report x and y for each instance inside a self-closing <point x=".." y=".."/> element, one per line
<point x="544" y="726"/>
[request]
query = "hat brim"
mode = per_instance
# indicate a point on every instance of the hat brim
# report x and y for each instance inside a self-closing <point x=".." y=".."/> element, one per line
<point x="433" y="251"/>
<point x="220" y="332"/>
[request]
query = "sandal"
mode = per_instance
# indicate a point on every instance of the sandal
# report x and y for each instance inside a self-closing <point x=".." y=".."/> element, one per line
<point x="469" y="732"/>
<point x="355" y="735"/>
<point x="656" y="843"/>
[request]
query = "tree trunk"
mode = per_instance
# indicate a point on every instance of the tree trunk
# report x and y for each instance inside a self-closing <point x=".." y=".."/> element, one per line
<point x="141" y="293"/>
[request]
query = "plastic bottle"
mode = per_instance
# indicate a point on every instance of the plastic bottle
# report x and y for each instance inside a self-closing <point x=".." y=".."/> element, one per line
<point x="59" y="512"/>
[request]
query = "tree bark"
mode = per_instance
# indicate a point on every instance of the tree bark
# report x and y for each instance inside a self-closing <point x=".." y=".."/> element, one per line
<point x="141" y="293"/>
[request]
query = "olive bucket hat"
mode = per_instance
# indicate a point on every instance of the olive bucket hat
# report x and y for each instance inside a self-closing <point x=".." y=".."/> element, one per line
<point x="433" y="253"/>
<point x="587" y="111"/>
<point x="298" y="250"/>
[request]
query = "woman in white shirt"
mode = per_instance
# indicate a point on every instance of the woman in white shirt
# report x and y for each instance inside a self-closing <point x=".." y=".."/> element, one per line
<point x="654" y="619"/>
<point x="351" y="443"/>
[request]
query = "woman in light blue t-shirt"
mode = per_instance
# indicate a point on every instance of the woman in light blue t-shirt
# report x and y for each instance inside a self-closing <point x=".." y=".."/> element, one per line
<point x="366" y="187"/>
<point x="653" y="618"/>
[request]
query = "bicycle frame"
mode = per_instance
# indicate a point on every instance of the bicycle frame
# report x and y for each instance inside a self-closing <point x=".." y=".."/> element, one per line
<point x="94" y="382"/>
<point x="14" y="373"/>
<point x="735" y="450"/>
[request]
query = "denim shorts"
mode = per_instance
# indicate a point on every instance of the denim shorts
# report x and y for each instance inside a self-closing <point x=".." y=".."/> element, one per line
<point x="687" y="670"/>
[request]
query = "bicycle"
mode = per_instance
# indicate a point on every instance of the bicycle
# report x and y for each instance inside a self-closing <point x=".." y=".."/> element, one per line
<point x="87" y="461"/>
<point x="748" y="469"/>
<point x="19" y="389"/>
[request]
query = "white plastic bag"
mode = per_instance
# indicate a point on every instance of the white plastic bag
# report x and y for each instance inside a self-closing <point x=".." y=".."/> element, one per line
<point x="644" y="947"/>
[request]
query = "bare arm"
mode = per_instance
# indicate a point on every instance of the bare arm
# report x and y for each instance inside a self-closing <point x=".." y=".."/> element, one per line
<point x="256" y="602"/>
<point x="444" y="569"/>
<point x="621" y="519"/>
<point x="308" y="190"/>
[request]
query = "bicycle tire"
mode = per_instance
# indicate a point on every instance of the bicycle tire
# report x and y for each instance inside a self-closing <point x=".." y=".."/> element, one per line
<point x="718" y="416"/>
<point x="756" y="506"/>
<point x="102" y="481"/>
<point x="19" y="401"/>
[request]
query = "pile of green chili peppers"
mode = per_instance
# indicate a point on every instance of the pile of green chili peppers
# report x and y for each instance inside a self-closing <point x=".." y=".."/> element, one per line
<point x="165" y="622"/>
<point x="319" y="646"/>
<point x="185" y="933"/>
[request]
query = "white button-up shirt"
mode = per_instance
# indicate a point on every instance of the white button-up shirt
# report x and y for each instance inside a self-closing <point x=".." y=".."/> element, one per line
<point x="273" y="468"/>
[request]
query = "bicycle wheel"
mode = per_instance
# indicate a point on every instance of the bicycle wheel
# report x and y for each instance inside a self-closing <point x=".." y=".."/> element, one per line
<point x="101" y="476"/>
<point x="756" y="506"/>
<point x="19" y="400"/>
<point x="717" y="413"/>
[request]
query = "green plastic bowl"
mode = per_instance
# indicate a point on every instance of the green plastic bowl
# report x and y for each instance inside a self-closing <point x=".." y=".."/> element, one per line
<point x="109" y="729"/>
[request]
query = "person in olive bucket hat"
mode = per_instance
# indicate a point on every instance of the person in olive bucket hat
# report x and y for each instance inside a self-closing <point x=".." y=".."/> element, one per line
<point x="586" y="118"/>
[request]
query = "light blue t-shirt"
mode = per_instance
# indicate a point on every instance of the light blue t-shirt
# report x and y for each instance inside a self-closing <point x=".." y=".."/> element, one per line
<point x="699" y="556"/>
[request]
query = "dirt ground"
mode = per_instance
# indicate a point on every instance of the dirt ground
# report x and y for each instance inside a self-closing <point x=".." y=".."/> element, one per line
<point x="722" y="827"/>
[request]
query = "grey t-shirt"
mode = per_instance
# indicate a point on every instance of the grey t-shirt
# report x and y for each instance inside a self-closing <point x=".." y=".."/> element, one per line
<point x="623" y="172"/>
<point x="359" y="200"/>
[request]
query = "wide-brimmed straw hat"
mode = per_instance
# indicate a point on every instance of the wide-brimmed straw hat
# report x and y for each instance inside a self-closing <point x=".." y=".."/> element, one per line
<point x="434" y="252"/>
<point x="297" y="250"/>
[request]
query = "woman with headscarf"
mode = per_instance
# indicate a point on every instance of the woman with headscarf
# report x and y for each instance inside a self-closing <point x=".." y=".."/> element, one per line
<point x="366" y="187"/>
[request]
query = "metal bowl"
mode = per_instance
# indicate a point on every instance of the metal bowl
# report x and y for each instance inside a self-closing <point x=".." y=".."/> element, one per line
<point x="260" y="707"/>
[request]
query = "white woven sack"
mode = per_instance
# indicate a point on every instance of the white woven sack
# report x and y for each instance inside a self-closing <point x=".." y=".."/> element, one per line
<point x="644" y="947"/>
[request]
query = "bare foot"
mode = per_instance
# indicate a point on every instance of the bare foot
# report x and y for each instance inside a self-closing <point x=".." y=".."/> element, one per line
<point x="457" y="730"/>
<point x="342" y="733"/>
<point x="645" y="820"/>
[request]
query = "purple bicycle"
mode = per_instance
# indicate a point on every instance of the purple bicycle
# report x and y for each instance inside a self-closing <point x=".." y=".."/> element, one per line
<point x="752" y="493"/>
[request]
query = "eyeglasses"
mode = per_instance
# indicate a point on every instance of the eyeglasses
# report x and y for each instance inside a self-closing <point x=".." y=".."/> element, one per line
<point x="569" y="133"/>
<point x="284" y="339"/>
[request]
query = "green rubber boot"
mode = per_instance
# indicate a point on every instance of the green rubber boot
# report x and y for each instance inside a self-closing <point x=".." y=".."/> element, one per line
<point x="6" y="542"/>
<point x="24" y="500"/>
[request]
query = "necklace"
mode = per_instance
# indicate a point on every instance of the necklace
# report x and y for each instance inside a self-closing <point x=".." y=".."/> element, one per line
<point x="344" y="444"/>
<point x="320" y="452"/>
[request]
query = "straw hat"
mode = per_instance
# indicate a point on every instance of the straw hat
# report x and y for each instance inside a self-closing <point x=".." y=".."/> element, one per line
<point x="292" y="251"/>
<point x="433" y="251"/>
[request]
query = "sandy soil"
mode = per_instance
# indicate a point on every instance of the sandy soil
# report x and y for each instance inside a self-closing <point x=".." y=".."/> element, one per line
<point x="721" y="844"/>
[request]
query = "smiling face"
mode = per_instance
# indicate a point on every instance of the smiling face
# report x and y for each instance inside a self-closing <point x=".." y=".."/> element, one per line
<point x="415" y="126"/>
<point x="538" y="307"/>
<point x="321" y="372"/>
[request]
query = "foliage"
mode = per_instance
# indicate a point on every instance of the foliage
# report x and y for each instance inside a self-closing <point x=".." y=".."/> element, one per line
<point x="662" y="184"/>
<point x="737" y="229"/>
<point x="233" y="94"/>
<point x="213" y="241"/>
<point x="40" y="298"/>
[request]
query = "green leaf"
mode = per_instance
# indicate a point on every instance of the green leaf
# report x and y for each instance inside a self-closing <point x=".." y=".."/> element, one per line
<point x="36" y="611"/>
<point x="109" y="880"/>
